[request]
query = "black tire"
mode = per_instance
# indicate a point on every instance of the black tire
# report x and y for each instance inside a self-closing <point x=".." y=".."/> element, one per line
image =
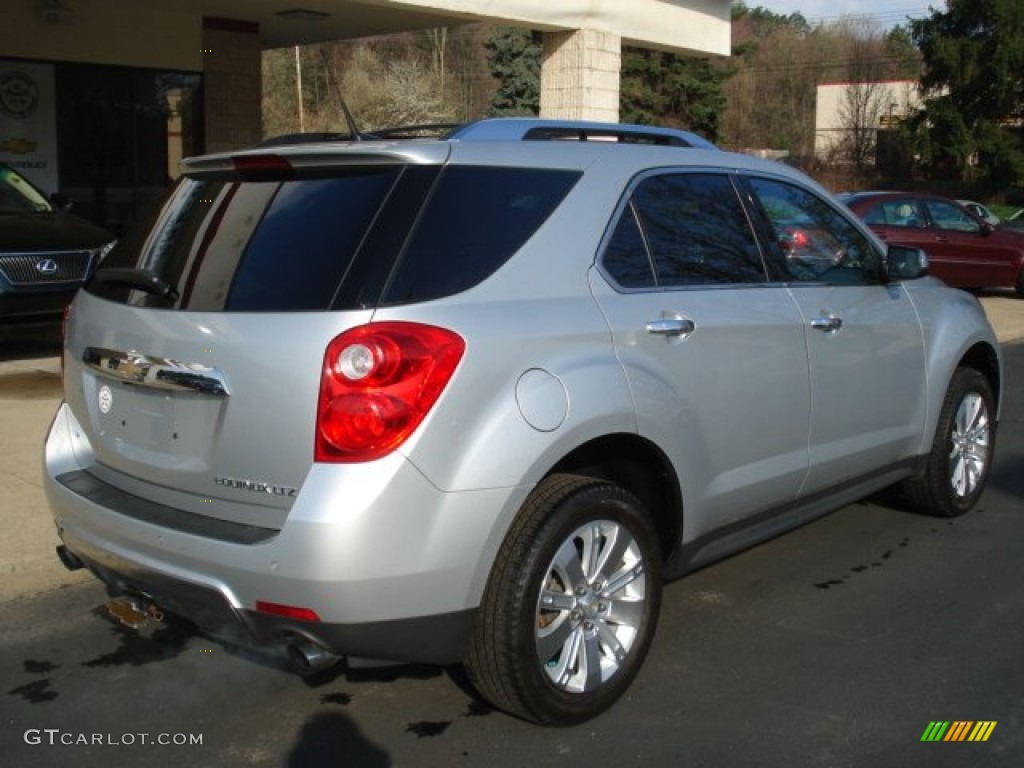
<point x="961" y="455"/>
<point x="522" y="656"/>
<point x="1019" y="287"/>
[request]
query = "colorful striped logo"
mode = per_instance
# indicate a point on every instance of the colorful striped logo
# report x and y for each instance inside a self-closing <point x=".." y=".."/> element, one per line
<point x="959" y="730"/>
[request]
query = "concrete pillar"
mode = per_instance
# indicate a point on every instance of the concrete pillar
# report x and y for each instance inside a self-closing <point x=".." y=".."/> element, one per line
<point x="233" y="83"/>
<point x="579" y="76"/>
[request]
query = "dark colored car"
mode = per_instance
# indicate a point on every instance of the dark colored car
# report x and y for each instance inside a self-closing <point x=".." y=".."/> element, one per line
<point x="46" y="253"/>
<point x="963" y="250"/>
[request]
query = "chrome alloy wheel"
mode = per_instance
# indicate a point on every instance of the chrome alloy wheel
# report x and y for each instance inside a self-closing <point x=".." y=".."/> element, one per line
<point x="590" y="606"/>
<point x="970" y="441"/>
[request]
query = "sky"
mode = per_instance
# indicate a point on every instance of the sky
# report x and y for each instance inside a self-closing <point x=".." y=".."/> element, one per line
<point x="888" y="13"/>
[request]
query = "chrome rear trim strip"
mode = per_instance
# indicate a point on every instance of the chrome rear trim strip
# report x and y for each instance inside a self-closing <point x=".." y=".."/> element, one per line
<point x="156" y="372"/>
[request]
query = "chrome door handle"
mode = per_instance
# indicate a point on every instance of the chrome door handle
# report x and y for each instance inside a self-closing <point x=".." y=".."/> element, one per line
<point x="827" y="323"/>
<point x="670" y="326"/>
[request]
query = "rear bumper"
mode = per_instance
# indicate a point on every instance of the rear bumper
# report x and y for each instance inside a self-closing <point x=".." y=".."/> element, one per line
<point x="437" y="639"/>
<point x="393" y="567"/>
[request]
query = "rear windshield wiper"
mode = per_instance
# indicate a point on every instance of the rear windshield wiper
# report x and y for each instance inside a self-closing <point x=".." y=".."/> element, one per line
<point x="141" y="279"/>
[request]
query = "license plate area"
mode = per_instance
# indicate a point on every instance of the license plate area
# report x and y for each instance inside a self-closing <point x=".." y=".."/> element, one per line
<point x="160" y="428"/>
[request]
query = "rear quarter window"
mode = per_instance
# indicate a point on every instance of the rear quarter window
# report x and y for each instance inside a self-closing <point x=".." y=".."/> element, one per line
<point x="476" y="218"/>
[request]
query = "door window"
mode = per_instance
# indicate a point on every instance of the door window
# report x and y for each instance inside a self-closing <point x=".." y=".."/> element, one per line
<point x="683" y="229"/>
<point x="626" y="258"/>
<point x="948" y="216"/>
<point x="814" y="241"/>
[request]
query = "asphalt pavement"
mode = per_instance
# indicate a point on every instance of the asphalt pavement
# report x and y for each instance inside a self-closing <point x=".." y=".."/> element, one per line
<point x="30" y="391"/>
<point x="837" y="645"/>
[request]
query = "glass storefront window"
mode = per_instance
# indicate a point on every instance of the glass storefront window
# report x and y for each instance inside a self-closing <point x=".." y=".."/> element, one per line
<point x="122" y="133"/>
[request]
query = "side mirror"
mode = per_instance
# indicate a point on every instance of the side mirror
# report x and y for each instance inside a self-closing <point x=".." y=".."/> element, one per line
<point x="904" y="262"/>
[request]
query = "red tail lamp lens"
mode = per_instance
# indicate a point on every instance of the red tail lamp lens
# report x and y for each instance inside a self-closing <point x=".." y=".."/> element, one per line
<point x="262" y="167"/>
<point x="379" y="381"/>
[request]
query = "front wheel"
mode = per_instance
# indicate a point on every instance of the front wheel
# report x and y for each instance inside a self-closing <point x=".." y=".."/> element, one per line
<point x="571" y="605"/>
<point x="958" y="465"/>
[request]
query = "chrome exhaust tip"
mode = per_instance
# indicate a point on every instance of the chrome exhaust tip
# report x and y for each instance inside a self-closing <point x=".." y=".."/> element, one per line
<point x="308" y="658"/>
<point x="69" y="559"/>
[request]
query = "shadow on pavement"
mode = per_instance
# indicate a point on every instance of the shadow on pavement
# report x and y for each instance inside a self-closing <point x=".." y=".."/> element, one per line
<point x="333" y="739"/>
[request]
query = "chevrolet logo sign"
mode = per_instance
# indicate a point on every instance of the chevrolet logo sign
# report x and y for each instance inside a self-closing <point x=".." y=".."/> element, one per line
<point x="46" y="267"/>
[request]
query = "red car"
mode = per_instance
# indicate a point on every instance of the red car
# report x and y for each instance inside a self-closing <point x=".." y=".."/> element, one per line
<point x="963" y="250"/>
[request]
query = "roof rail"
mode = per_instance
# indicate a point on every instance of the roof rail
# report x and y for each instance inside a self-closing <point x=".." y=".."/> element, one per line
<point x="541" y="129"/>
<point x="418" y="131"/>
<point x="511" y="129"/>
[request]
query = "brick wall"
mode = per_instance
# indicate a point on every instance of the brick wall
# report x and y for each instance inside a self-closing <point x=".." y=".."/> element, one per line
<point x="231" y="66"/>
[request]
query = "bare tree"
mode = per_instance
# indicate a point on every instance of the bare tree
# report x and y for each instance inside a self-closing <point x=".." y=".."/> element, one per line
<point x="400" y="91"/>
<point x="864" y="99"/>
<point x="438" y="40"/>
<point x="860" y="113"/>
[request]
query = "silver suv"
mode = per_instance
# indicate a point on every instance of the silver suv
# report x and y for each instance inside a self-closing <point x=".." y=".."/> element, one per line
<point x="473" y="399"/>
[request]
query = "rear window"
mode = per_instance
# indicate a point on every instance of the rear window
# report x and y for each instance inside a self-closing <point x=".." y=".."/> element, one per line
<point x="390" y="234"/>
<point x="251" y="246"/>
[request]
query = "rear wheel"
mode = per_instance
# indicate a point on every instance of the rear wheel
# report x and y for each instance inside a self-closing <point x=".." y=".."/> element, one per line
<point x="958" y="464"/>
<point x="1019" y="287"/>
<point x="571" y="605"/>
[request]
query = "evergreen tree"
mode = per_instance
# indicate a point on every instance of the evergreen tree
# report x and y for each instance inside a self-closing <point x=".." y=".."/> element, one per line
<point x="513" y="55"/>
<point x="671" y="90"/>
<point x="974" y="84"/>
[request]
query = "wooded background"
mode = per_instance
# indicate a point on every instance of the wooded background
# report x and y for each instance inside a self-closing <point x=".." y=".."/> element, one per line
<point x="967" y="59"/>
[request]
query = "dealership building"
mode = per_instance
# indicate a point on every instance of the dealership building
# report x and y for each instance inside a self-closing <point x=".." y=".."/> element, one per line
<point x="101" y="99"/>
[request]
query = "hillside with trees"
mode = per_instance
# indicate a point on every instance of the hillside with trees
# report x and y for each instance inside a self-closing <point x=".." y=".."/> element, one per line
<point x="969" y="60"/>
<point x="436" y="76"/>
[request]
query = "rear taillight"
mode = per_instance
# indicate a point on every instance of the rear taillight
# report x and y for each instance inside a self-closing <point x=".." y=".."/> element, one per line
<point x="378" y="383"/>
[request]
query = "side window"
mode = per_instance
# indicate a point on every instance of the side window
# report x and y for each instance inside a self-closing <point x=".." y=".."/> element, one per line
<point x="475" y="220"/>
<point x="897" y="213"/>
<point x="696" y="230"/>
<point x="948" y="216"/>
<point x="817" y="243"/>
<point x="626" y="259"/>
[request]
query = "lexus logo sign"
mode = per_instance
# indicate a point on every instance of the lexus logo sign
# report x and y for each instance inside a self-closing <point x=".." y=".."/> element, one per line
<point x="46" y="267"/>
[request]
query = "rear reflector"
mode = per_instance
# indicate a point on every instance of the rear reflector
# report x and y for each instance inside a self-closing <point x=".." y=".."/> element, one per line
<point x="287" y="611"/>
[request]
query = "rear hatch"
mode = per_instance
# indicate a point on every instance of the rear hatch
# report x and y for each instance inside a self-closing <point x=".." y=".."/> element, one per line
<point x="194" y="356"/>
